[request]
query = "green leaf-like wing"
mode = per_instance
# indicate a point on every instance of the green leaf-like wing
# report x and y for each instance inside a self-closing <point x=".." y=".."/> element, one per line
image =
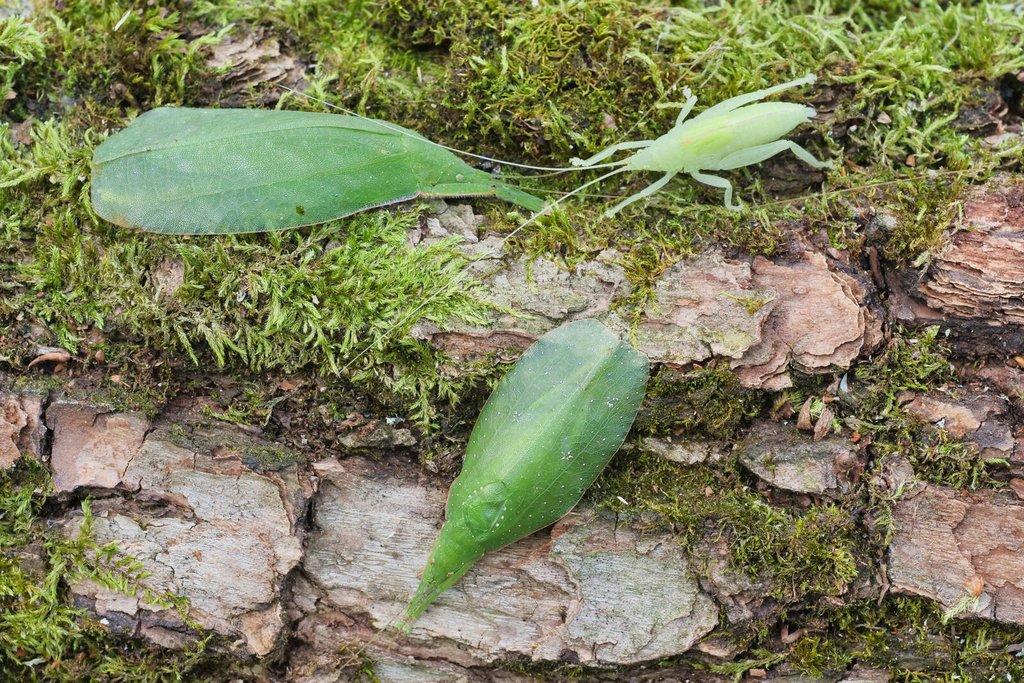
<point x="200" y="171"/>
<point x="548" y="429"/>
<point x="551" y="426"/>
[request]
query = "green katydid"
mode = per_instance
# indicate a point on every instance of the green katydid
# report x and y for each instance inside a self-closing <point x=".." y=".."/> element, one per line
<point x="196" y="171"/>
<point x="189" y="171"/>
<point x="546" y="432"/>
<point x="737" y="132"/>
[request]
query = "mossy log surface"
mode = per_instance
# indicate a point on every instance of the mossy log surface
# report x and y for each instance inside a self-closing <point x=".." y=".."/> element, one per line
<point x="225" y="458"/>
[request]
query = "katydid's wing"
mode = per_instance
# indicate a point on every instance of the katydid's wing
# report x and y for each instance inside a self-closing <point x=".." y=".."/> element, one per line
<point x="551" y="426"/>
<point x="203" y="171"/>
<point x="546" y="432"/>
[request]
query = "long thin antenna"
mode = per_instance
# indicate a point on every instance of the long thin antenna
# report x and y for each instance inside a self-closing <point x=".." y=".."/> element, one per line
<point x="554" y="169"/>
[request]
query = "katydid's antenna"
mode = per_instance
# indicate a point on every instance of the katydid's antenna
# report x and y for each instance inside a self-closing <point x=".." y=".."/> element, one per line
<point x="398" y="129"/>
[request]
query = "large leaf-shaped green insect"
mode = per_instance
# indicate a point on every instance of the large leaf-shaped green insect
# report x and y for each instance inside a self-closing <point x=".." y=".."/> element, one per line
<point x="550" y="427"/>
<point x="201" y="171"/>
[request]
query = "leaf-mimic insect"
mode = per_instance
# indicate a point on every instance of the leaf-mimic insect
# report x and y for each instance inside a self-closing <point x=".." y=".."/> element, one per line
<point x="737" y="132"/>
<point x="206" y="171"/>
<point x="546" y="432"/>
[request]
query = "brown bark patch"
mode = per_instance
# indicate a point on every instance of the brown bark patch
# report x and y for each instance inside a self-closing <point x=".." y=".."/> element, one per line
<point x="818" y="324"/>
<point x="965" y="550"/>
<point x="202" y="522"/>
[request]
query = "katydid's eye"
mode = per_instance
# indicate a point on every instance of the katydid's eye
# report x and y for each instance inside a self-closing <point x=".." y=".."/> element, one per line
<point x="484" y="508"/>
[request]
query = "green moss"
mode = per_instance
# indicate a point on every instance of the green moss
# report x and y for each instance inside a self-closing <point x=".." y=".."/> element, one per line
<point x="752" y="303"/>
<point x="908" y="637"/>
<point x="917" y="363"/>
<point x="43" y="636"/>
<point x="543" y="670"/>
<point x="20" y="43"/>
<point x="911" y="362"/>
<point x="798" y="552"/>
<point x="757" y="658"/>
<point x="269" y="458"/>
<point x="564" y="68"/>
<point x="146" y="390"/>
<point x="942" y="460"/>
<point x="253" y="404"/>
<point x="925" y="211"/>
<point x="109" y="55"/>
<point x="706" y="402"/>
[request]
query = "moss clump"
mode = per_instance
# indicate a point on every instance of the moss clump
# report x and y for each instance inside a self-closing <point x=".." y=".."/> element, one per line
<point x="42" y="635"/>
<point x="20" y="43"/>
<point x="102" y="57"/>
<point x="544" y="670"/>
<point x="940" y="459"/>
<point x="574" y="70"/>
<point x="564" y="75"/>
<point x="706" y="402"/>
<point x="798" y="552"/>
<point x="925" y="210"/>
<point x="910" y="363"/>
<point x="906" y="636"/>
<point x="917" y="363"/>
<point x="269" y="458"/>
<point x="251" y="404"/>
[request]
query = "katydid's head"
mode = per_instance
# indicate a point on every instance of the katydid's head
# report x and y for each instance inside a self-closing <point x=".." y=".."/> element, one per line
<point x="454" y="552"/>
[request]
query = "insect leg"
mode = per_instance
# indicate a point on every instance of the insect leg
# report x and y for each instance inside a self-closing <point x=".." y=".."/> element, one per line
<point x="691" y="100"/>
<point x="636" y="144"/>
<point x="757" y="154"/>
<point x="808" y="158"/>
<point x="646" y="192"/>
<point x="740" y="100"/>
<point x="721" y="183"/>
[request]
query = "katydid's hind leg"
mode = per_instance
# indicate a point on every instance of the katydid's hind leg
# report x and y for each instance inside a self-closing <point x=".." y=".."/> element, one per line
<point x="740" y="100"/>
<point x="806" y="157"/>
<point x="691" y="100"/>
<point x="757" y="154"/>
<point x="604" y="154"/>
<point x="721" y="183"/>
<point x="646" y="192"/>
